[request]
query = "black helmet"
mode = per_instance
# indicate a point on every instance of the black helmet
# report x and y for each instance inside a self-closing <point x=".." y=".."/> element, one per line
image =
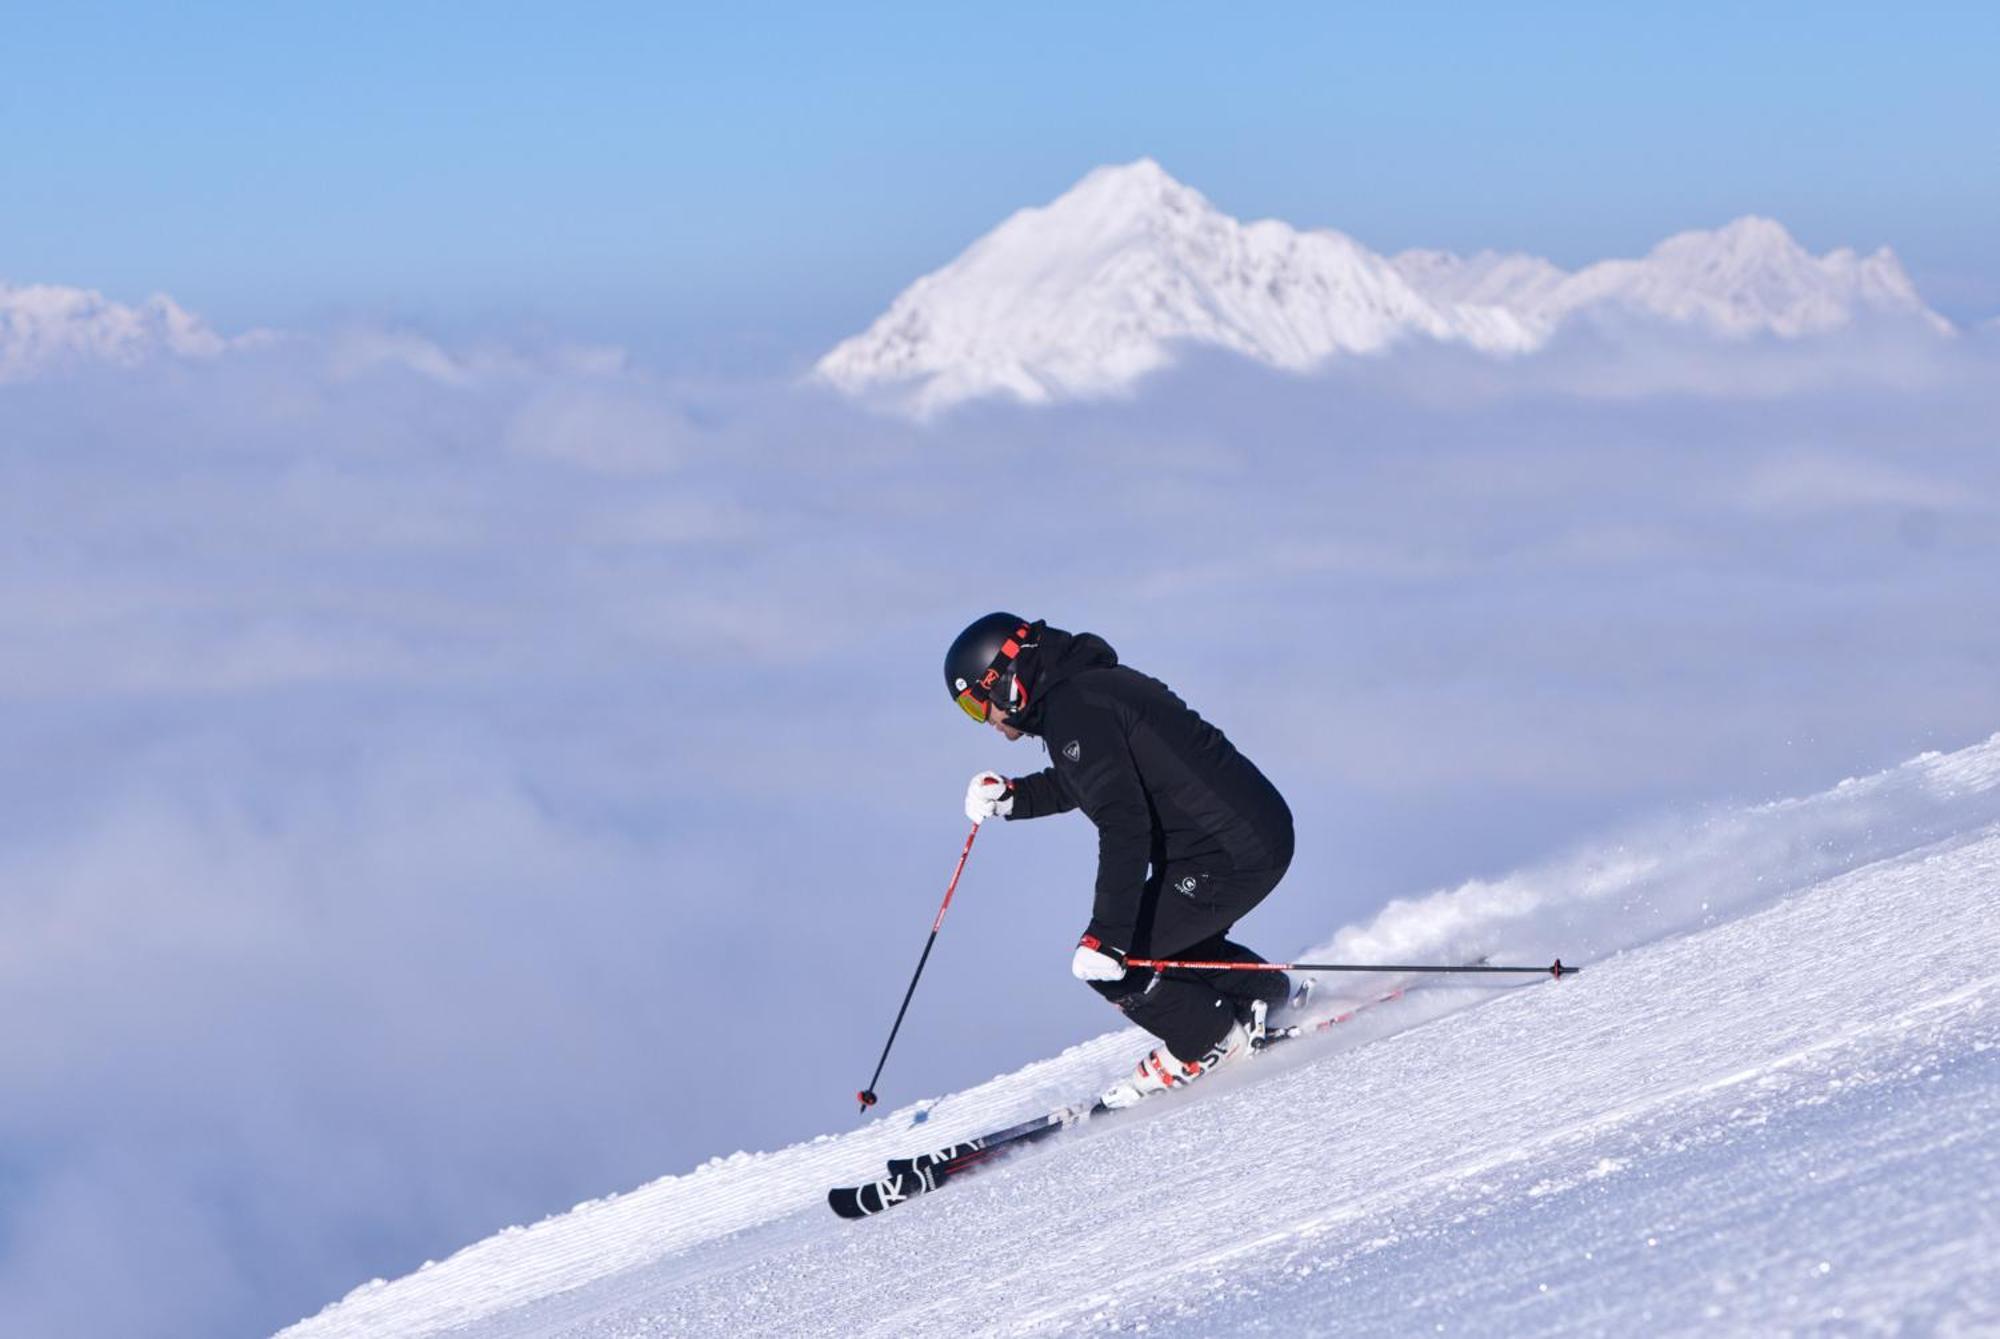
<point x="981" y="667"/>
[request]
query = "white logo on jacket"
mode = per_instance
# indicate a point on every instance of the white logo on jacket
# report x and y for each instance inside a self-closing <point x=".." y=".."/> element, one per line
<point x="1073" y="750"/>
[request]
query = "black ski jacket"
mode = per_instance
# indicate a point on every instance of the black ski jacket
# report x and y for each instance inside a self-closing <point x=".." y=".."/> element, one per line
<point x="1163" y="786"/>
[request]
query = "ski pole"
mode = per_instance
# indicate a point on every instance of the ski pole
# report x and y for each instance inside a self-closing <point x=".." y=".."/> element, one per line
<point x="1557" y="970"/>
<point x="867" y="1095"/>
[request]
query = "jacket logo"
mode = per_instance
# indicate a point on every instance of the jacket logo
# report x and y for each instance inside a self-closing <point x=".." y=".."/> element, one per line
<point x="1187" y="886"/>
<point x="1073" y="750"/>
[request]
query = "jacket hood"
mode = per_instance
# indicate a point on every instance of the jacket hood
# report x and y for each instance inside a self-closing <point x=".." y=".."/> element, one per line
<point x="1058" y="656"/>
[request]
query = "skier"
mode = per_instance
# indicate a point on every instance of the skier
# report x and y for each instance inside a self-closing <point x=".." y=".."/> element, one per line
<point x="1191" y="835"/>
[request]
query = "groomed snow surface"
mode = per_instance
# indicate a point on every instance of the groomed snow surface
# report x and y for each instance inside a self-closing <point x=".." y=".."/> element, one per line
<point x="1769" y="1104"/>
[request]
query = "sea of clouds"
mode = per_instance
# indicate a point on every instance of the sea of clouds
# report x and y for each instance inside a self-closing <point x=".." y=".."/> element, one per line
<point x="438" y="785"/>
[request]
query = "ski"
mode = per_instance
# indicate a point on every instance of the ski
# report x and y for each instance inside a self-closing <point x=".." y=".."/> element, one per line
<point x="1288" y="1032"/>
<point x="911" y="1177"/>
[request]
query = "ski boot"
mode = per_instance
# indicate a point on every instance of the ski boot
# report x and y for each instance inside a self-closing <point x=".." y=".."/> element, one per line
<point x="1161" y="1070"/>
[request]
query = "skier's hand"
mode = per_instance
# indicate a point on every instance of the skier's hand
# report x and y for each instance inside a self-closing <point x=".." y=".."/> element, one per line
<point x="1095" y="962"/>
<point x="989" y="796"/>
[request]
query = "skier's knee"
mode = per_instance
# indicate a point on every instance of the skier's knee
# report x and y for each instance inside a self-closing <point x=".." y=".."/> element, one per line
<point x="1187" y="1015"/>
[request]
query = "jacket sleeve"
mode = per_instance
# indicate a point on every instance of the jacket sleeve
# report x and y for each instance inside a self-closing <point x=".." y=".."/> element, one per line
<point x="1106" y="781"/>
<point x="1038" y="795"/>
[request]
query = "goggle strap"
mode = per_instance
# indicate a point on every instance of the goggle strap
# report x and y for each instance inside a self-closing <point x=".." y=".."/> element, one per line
<point x="1010" y="651"/>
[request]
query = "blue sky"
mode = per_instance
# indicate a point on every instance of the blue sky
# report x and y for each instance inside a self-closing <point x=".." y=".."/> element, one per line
<point x="764" y="177"/>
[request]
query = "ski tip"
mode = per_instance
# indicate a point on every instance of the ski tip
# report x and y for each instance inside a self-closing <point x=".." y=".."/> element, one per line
<point x="873" y="1198"/>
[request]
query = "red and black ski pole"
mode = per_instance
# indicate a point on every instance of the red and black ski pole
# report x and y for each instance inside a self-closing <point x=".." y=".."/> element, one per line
<point x="867" y="1095"/>
<point x="1556" y="970"/>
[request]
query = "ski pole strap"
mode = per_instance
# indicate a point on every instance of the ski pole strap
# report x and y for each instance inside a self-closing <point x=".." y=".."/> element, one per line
<point x="1159" y="964"/>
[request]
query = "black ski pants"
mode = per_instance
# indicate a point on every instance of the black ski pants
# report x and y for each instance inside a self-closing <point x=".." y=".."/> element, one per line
<point x="1186" y="913"/>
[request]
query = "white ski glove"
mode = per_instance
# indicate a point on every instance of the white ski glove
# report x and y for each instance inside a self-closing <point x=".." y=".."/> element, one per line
<point x="989" y="796"/>
<point x="1092" y="963"/>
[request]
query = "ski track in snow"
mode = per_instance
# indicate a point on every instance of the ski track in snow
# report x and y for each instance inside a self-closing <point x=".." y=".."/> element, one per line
<point x="1780" y="1120"/>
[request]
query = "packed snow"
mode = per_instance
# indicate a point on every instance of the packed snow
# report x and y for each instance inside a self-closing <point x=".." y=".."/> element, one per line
<point x="1086" y="295"/>
<point x="1770" y="1102"/>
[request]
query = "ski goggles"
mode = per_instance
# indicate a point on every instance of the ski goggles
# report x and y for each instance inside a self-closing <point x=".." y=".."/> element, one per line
<point x="976" y="700"/>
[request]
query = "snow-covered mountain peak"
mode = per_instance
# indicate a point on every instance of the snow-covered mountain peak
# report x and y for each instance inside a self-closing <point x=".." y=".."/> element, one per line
<point x="1085" y="295"/>
<point x="1113" y="209"/>
<point x="1747" y="277"/>
<point x="1747" y="236"/>
<point x="1138" y="192"/>
<point x="1748" y="251"/>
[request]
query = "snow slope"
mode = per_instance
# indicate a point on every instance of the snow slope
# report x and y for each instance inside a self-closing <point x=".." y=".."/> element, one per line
<point x="1770" y="1102"/>
<point x="1087" y="294"/>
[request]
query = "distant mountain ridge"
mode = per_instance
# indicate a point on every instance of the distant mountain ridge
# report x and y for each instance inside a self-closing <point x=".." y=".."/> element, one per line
<point x="1749" y="277"/>
<point x="45" y="326"/>
<point x="1084" y="296"/>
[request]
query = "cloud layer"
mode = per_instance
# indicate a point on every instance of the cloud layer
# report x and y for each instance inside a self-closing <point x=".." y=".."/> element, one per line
<point x="440" y="785"/>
